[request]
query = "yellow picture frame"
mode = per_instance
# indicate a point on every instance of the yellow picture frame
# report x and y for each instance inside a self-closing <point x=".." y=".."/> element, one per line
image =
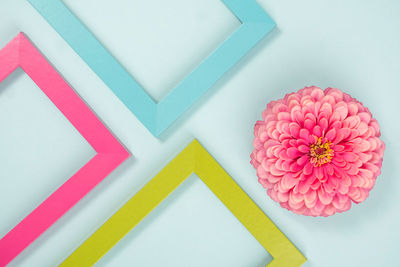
<point x="193" y="159"/>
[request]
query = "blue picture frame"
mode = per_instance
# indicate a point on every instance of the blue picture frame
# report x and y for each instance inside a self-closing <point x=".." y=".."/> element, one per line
<point x="157" y="117"/>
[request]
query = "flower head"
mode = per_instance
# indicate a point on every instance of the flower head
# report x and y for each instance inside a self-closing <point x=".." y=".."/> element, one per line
<point x="317" y="151"/>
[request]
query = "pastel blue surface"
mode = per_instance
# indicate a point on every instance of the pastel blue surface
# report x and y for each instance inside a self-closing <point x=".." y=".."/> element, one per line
<point x="352" y="45"/>
<point x="157" y="117"/>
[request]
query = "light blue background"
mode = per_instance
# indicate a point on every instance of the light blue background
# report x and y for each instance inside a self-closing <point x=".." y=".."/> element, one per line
<point x="352" y="45"/>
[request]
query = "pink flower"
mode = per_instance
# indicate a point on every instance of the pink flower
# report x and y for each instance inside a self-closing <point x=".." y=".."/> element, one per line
<point x="317" y="151"/>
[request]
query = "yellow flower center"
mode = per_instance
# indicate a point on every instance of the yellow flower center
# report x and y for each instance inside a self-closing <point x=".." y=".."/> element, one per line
<point x="320" y="153"/>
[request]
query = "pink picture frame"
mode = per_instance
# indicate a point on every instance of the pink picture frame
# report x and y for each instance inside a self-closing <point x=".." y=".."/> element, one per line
<point x="20" y="52"/>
